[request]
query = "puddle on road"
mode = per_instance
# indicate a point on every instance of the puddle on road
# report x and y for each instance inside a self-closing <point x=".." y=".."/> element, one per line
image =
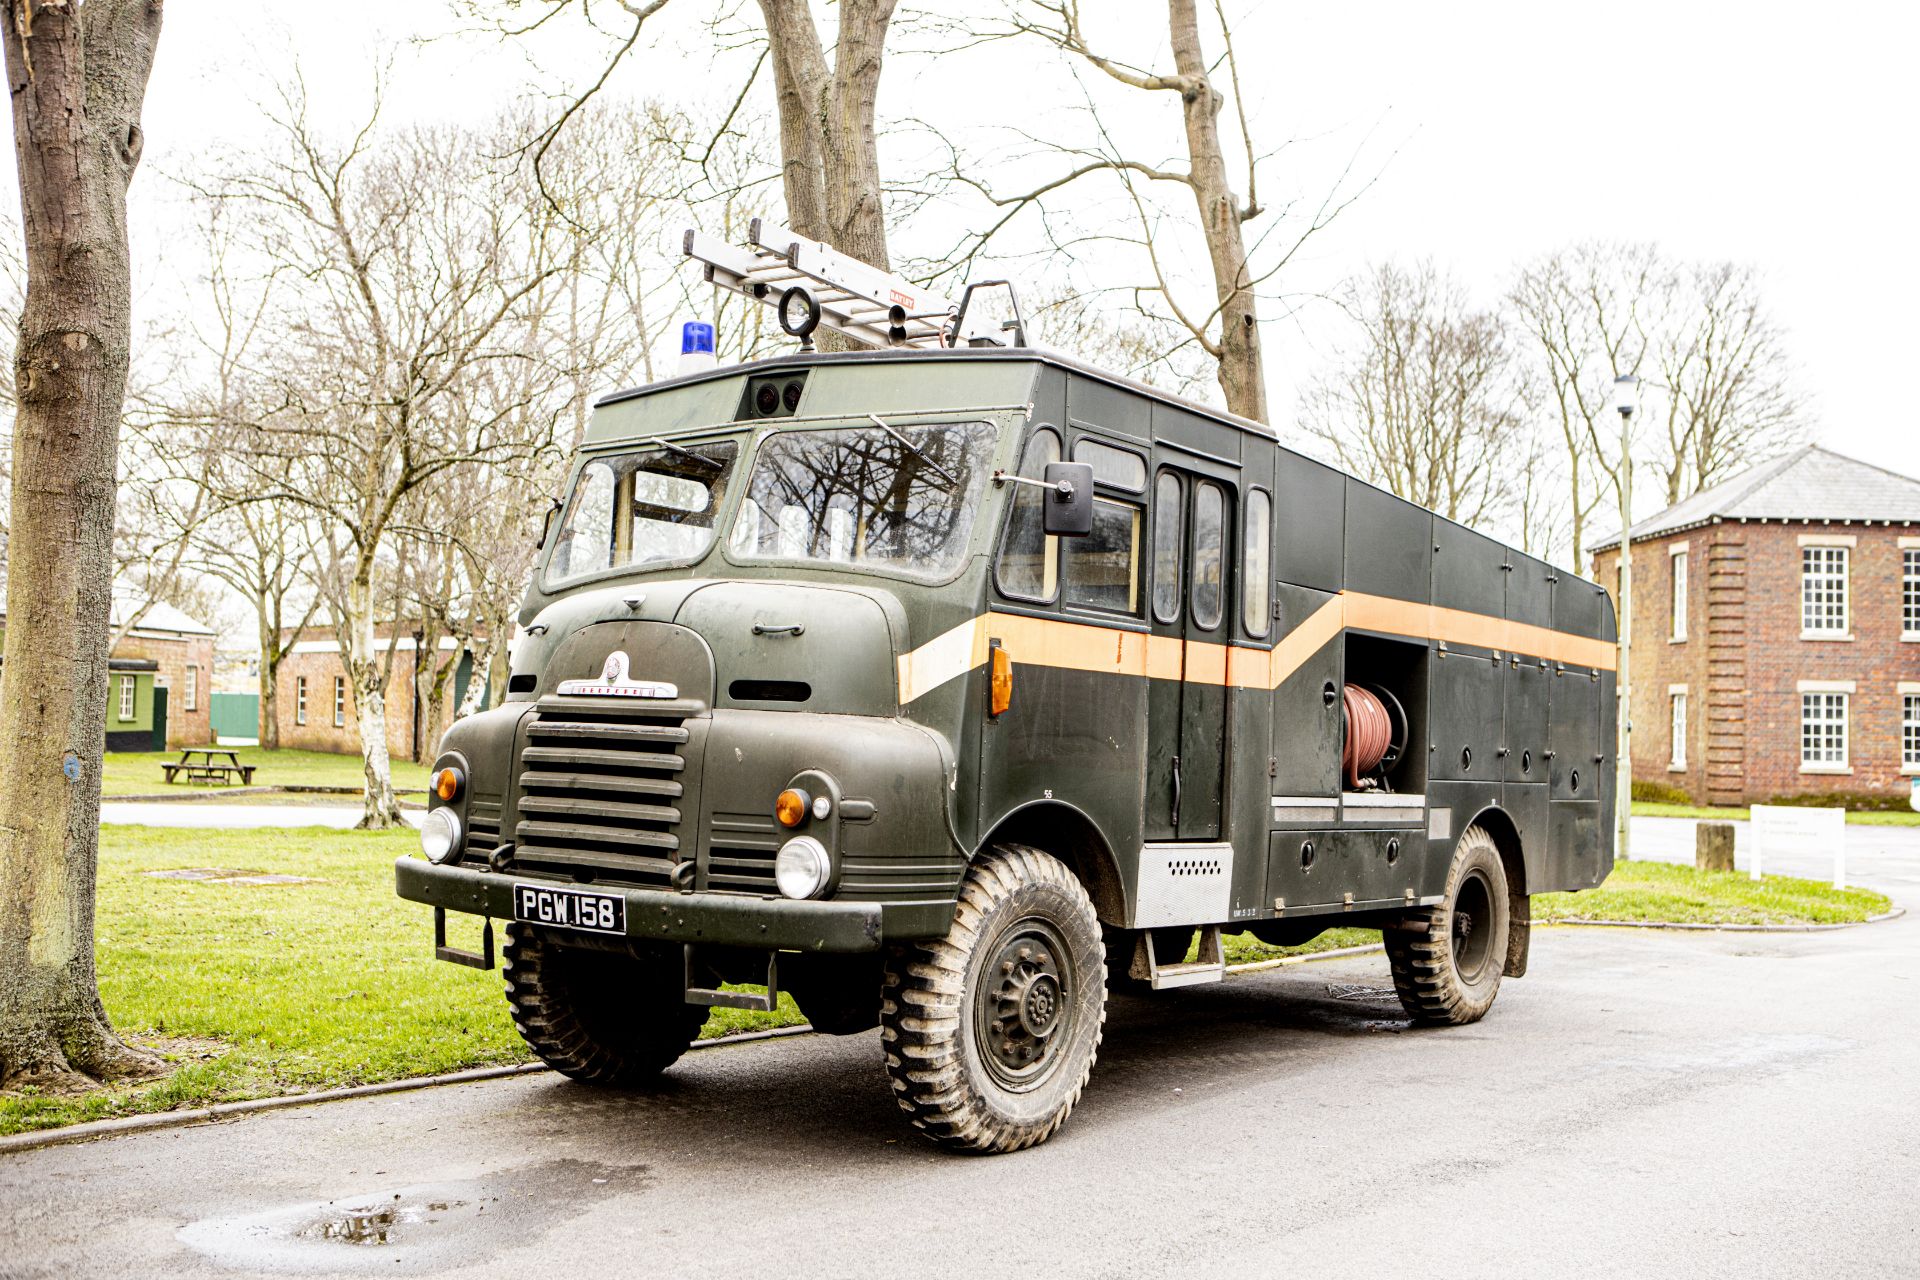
<point x="415" y="1228"/>
<point x="380" y="1223"/>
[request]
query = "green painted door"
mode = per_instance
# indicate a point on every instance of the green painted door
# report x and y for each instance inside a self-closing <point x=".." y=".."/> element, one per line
<point x="1190" y="603"/>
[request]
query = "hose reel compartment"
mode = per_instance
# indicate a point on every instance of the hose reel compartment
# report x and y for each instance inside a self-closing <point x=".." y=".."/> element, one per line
<point x="1383" y="705"/>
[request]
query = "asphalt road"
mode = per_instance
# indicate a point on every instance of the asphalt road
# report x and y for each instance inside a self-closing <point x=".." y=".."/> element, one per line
<point x="1708" y="1104"/>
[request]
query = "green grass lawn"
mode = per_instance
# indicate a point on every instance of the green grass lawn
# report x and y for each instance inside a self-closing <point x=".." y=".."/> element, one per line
<point x="1665" y="891"/>
<point x="268" y="989"/>
<point x="137" y="773"/>
<point x="1859" y="817"/>
<point x="272" y="989"/>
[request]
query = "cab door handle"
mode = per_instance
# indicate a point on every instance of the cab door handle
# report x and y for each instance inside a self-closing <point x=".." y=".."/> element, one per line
<point x="1176" y="792"/>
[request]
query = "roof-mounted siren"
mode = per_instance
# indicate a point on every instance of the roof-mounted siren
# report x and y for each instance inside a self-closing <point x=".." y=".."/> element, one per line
<point x="813" y="286"/>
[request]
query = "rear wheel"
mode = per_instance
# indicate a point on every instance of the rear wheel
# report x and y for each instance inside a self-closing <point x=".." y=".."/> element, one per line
<point x="991" y="1032"/>
<point x="1447" y="960"/>
<point x="597" y="1016"/>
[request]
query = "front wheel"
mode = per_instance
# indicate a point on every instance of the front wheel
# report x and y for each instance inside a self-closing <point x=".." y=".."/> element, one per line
<point x="597" y="1016"/>
<point x="991" y="1032"/>
<point x="1447" y="960"/>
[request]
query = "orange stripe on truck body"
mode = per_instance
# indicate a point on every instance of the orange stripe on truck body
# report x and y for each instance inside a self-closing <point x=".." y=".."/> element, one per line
<point x="1079" y="646"/>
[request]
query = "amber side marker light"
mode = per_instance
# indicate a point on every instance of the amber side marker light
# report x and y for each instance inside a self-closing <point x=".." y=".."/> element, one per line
<point x="790" y="807"/>
<point x="446" y="784"/>
<point x="1002" y="681"/>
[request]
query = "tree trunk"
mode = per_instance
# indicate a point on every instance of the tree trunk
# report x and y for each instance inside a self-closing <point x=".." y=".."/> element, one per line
<point x="1243" y="378"/>
<point x="480" y="680"/>
<point x="799" y="79"/>
<point x="269" y="679"/>
<point x="368" y="674"/>
<point x="855" y="214"/>
<point x="77" y="75"/>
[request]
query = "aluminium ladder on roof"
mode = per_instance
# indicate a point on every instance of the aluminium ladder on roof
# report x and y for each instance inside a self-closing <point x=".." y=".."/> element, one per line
<point x="861" y="301"/>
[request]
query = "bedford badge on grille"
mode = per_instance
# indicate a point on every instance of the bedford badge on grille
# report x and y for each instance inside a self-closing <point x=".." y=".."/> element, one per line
<point x="613" y="683"/>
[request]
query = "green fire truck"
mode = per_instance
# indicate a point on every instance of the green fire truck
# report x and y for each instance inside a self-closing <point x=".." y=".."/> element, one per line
<point x="947" y="684"/>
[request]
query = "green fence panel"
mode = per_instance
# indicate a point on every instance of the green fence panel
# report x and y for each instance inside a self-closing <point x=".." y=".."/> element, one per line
<point x="236" y="715"/>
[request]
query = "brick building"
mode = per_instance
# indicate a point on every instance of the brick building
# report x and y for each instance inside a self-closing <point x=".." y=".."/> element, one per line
<point x="316" y="705"/>
<point x="1776" y="635"/>
<point x="167" y="650"/>
<point x="182" y="650"/>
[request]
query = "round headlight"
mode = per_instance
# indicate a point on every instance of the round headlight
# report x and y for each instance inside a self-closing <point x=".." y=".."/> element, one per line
<point x="440" y="835"/>
<point x="801" y="868"/>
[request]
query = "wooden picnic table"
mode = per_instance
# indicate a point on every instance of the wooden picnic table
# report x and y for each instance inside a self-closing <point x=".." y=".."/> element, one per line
<point x="203" y="764"/>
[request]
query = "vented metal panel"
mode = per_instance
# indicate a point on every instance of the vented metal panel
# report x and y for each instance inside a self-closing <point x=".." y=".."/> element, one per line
<point x="740" y="853"/>
<point x="1184" y="883"/>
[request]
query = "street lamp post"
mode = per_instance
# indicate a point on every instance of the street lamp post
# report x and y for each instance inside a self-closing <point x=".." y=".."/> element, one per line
<point x="1626" y="397"/>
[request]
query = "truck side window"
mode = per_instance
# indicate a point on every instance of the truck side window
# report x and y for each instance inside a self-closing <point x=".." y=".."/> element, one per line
<point x="586" y="542"/>
<point x="1168" y="520"/>
<point x="1027" y="556"/>
<point x="1255" y="577"/>
<point x="1103" y="568"/>
<point x="1209" y="554"/>
<point x="1121" y="468"/>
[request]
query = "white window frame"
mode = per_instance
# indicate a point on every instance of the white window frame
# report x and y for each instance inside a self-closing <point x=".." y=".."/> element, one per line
<point x="339" y="702"/>
<point x="299" y="699"/>
<point x="1909" y="727"/>
<point x="1677" y="561"/>
<point x="1823" y="559"/>
<point x="1910" y="589"/>
<point x="126" y="697"/>
<point x="1677" y="728"/>
<point x="1821" y="698"/>
<point x="192" y="700"/>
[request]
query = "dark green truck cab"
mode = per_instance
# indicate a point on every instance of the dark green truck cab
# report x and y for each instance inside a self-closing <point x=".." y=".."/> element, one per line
<point x="809" y="698"/>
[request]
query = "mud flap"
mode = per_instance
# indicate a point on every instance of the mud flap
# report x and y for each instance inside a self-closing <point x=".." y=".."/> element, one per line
<point x="1519" y="934"/>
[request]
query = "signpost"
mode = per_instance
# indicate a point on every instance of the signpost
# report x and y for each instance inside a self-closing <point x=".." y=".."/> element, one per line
<point x="1791" y="829"/>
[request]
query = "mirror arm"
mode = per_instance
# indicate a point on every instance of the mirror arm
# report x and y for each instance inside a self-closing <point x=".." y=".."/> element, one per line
<point x="1064" y="488"/>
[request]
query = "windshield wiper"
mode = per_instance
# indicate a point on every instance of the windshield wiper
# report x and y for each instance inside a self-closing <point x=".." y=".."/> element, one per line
<point x="918" y="452"/>
<point x="688" y="454"/>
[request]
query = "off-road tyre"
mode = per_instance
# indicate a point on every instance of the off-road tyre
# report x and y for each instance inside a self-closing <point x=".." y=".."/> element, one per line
<point x="940" y="1001"/>
<point x="1447" y="959"/>
<point x="596" y="1016"/>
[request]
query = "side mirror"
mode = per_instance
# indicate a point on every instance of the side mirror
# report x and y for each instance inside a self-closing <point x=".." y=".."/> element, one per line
<point x="1068" y="508"/>
<point x="546" y="524"/>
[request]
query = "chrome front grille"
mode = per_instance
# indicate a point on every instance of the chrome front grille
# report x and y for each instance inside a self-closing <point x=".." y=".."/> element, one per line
<point x="600" y="794"/>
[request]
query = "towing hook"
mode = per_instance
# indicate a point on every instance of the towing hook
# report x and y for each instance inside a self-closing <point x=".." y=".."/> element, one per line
<point x="682" y="876"/>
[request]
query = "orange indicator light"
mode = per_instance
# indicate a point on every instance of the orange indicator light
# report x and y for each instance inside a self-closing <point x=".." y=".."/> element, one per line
<point x="791" y="806"/>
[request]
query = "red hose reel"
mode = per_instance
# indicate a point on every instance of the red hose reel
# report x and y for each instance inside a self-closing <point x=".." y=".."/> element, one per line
<point x="1373" y="732"/>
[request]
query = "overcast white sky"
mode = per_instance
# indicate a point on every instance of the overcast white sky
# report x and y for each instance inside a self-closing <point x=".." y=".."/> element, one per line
<point x="1781" y="137"/>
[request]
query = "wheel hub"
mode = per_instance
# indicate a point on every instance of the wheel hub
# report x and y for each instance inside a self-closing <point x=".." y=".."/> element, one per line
<point x="1022" y="1003"/>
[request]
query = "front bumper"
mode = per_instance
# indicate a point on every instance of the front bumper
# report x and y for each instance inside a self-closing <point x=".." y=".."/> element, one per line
<point x="717" y="919"/>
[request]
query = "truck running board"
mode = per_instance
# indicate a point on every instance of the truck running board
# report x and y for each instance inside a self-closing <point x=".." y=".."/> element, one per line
<point x="1211" y="966"/>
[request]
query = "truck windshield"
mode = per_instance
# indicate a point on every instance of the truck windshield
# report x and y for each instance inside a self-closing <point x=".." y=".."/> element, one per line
<point x="866" y="496"/>
<point x="634" y="509"/>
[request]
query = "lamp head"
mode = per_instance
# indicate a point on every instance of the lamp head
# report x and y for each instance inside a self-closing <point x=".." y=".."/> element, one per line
<point x="1626" y="394"/>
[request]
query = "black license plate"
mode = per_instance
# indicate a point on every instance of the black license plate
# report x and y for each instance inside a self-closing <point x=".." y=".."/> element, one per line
<point x="570" y="908"/>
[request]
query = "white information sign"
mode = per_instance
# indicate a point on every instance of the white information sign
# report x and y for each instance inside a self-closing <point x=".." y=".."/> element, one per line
<point x="1781" y="829"/>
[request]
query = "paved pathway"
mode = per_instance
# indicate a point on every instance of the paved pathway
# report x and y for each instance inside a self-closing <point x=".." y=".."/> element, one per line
<point x="1883" y="858"/>
<point x="227" y="815"/>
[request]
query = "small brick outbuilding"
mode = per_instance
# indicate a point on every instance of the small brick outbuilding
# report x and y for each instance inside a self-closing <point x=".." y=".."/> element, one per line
<point x="1776" y="635"/>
